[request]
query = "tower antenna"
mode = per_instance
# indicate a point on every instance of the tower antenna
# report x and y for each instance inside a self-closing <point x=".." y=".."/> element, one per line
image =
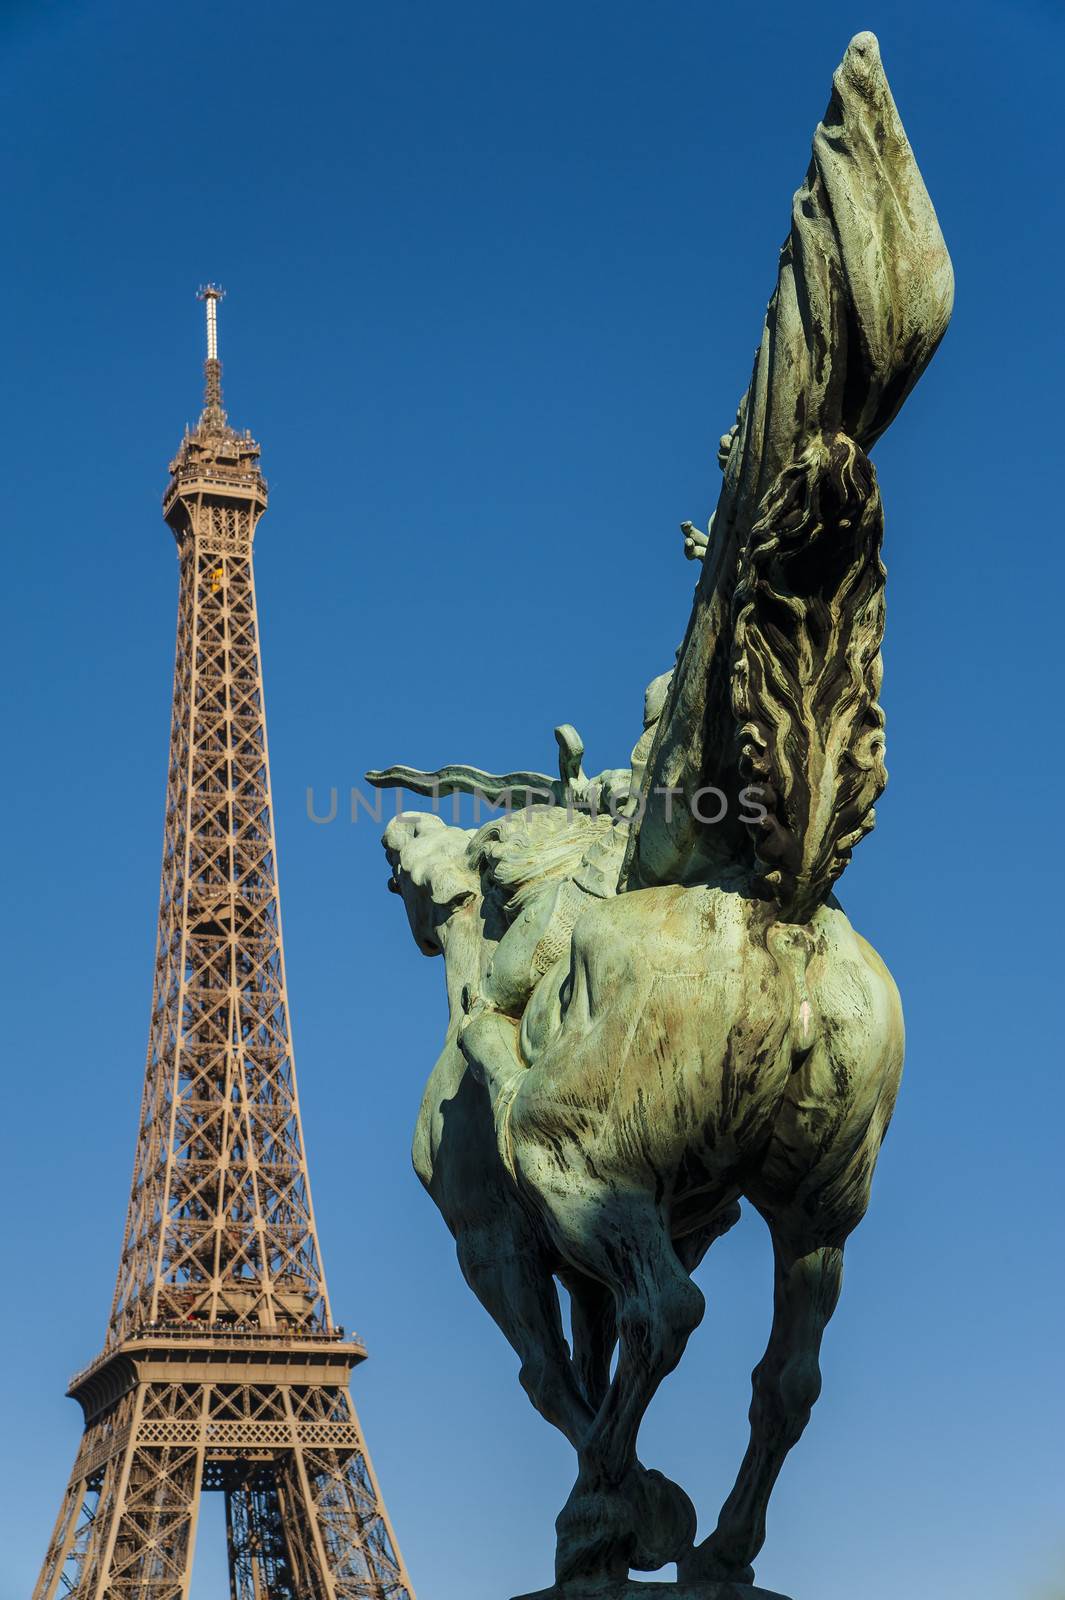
<point x="210" y="294"/>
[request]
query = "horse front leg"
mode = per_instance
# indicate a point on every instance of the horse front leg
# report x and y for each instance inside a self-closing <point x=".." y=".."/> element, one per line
<point x="786" y="1383"/>
<point x="503" y="1253"/>
<point x="509" y="1272"/>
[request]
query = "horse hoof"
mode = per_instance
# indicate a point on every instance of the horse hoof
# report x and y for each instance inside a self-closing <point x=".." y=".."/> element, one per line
<point x="644" y="1523"/>
<point x="663" y="1518"/>
<point x="707" y="1565"/>
<point x="594" y="1532"/>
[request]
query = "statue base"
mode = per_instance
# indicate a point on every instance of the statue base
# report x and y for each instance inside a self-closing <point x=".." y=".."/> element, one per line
<point x="632" y="1589"/>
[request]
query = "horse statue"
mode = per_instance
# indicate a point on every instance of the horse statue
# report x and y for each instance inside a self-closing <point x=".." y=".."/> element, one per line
<point x="657" y="1004"/>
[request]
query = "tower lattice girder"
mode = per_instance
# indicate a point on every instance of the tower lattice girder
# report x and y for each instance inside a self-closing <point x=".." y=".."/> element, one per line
<point x="222" y="1368"/>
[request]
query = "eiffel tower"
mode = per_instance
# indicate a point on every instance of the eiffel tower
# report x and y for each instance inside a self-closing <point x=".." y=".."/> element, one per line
<point x="222" y="1367"/>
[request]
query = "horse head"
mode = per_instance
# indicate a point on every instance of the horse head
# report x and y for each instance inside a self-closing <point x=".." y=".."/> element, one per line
<point x="430" y="873"/>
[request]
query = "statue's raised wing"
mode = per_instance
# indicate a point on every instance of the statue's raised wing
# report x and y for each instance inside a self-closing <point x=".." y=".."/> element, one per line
<point x="777" y="679"/>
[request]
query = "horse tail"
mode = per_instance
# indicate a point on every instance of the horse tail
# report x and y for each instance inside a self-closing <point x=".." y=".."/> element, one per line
<point x="808" y="621"/>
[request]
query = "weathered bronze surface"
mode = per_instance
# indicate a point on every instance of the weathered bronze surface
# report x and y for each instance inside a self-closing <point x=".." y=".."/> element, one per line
<point x="657" y="1004"/>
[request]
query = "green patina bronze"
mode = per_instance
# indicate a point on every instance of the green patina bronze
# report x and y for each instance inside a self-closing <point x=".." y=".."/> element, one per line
<point x="657" y="1005"/>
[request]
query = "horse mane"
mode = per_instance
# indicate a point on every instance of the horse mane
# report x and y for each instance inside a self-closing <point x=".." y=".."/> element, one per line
<point x="520" y="852"/>
<point x="808" y="621"/>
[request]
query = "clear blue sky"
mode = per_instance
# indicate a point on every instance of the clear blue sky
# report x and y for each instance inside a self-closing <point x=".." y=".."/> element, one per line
<point x="495" y="273"/>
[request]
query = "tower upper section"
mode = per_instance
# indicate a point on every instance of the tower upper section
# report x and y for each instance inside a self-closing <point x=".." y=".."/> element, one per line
<point x="220" y="1231"/>
<point x="216" y="490"/>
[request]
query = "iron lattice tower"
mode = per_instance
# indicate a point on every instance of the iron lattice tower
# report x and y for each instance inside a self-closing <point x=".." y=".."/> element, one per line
<point x="222" y="1367"/>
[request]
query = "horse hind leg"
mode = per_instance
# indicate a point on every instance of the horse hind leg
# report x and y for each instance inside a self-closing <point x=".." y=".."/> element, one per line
<point x="619" y="1515"/>
<point x="786" y="1383"/>
<point x="593" y="1319"/>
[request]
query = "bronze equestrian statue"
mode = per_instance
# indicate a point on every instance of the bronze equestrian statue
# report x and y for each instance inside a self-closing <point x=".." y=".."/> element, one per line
<point x="657" y="1004"/>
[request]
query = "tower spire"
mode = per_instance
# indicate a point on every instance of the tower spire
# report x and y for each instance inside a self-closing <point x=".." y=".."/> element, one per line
<point x="213" y="416"/>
